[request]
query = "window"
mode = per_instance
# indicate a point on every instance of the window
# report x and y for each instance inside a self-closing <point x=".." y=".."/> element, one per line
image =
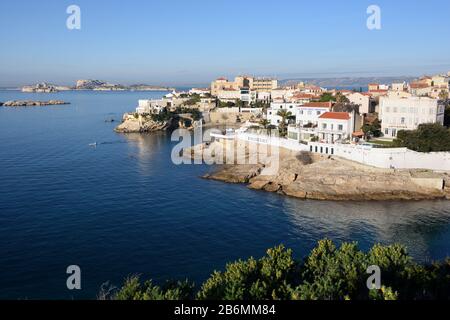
<point x="402" y="120"/>
<point x="340" y="127"/>
<point x="324" y="126"/>
<point x="318" y="112"/>
<point x="394" y="132"/>
<point x="386" y="131"/>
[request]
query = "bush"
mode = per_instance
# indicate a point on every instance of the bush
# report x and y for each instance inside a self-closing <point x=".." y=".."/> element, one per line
<point x="328" y="273"/>
<point x="427" y="138"/>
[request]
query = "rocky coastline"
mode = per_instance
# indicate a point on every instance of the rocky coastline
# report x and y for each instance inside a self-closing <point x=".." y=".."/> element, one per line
<point x="31" y="103"/>
<point x="309" y="176"/>
<point x="134" y="123"/>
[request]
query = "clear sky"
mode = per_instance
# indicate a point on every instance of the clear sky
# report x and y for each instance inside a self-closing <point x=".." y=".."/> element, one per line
<point x="188" y="42"/>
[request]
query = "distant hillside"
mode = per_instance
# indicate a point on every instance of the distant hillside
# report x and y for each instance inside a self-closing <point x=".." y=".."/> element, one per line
<point x="347" y="81"/>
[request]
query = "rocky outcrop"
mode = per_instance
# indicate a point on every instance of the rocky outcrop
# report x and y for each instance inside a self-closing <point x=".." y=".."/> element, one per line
<point x="30" y="103"/>
<point x="309" y="176"/>
<point x="134" y="123"/>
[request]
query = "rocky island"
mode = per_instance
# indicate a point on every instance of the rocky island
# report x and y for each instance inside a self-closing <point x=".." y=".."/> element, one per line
<point x="309" y="176"/>
<point x="31" y="103"/>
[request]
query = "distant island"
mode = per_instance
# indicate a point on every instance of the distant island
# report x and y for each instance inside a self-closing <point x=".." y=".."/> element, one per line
<point x="94" y="85"/>
<point x="31" y="103"/>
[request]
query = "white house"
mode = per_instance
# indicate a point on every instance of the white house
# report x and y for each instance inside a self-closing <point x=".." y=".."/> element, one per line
<point x="335" y="127"/>
<point x="275" y="107"/>
<point x="408" y="113"/>
<point x="151" y="106"/>
<point x="200" y="91"/>
<point x="308" y="114"/>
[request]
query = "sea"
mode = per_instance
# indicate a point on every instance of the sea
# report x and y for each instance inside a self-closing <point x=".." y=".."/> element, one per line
<point x="74" y="192"/>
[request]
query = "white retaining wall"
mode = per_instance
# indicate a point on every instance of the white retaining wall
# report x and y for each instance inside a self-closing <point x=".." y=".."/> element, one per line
<point x="398" y="158"/>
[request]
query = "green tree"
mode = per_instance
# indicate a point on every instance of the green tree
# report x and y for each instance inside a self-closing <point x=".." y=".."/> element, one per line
<point x="443" y="95"/>
<point x="372" y="129"/>
<point x="133" y="289"/>
<point x="263" y="279"/>
<point x="285" y="115"/>
<point x="327" y="273"/>
<point x="340" y="98"/>
<point x="427" y="138"/>
<point x="264" y="123"/>
<point x="327" y="97"/>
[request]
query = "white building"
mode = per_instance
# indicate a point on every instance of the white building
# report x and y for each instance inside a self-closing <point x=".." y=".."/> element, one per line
<point x="229" y="95"/>
<point x="151" y="106"/>
<point x="275" y="107"/>
<point x="363" y="100"/>
<point x="200" y="91"/>
<point x="309" y="113"/>
<point x="408" y="113"/>
<point x="336" y="127"/>
<point x="399" y="86"/>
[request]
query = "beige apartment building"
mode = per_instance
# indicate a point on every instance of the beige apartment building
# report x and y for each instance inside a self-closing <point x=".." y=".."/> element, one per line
<point x="408" y="113"/>
<point x="254" y="84"/>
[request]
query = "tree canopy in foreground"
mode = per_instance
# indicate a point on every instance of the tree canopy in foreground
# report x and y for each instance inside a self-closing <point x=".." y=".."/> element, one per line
<point x="427" y="138"/>
<point x="328" y="273"/>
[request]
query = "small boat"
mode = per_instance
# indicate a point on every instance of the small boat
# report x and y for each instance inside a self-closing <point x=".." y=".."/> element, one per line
<point x="93" y="144"/>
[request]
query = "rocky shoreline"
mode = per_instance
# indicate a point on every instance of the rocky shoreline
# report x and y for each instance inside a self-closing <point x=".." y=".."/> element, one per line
<point x="31" y="103"/>
<point x="308" y="176"/>
<point x="133" y="123"/>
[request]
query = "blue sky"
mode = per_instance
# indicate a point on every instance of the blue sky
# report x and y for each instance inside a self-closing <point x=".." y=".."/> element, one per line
<point x="190" y="42"/>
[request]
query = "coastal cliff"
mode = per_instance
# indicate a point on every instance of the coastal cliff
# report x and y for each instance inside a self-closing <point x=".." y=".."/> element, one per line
<point x="134" y="123"/>
<point x="308" y="176"/>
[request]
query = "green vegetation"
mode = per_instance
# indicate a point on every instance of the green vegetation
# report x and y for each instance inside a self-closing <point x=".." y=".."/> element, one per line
<point x="427" y="138"/>
<point x="383" y="143"/>
<point x="328" y="273"/>
<point x="327" y="97"/>
<point x="193" y="100"/>
<point x="285" y="115"/>
<point x="228" y="104"/>
<point x="165" y="114"/>
<point x="340" y="98"/>
<point x="372" y="129"/>
<point x="443" y="95"/>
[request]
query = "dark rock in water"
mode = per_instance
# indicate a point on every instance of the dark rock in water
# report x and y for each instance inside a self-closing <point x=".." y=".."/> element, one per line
<point x="110" y="120"/>
<point x="30" y="103"/>
<point x="1" y="103"/>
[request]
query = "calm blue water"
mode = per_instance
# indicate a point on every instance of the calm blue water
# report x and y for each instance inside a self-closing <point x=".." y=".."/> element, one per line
<point x="123" y="208"/>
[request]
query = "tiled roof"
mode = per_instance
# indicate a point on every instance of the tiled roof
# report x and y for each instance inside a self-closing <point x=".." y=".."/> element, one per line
<point x="318" y="104"/>
<point x="335" y="115"/>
